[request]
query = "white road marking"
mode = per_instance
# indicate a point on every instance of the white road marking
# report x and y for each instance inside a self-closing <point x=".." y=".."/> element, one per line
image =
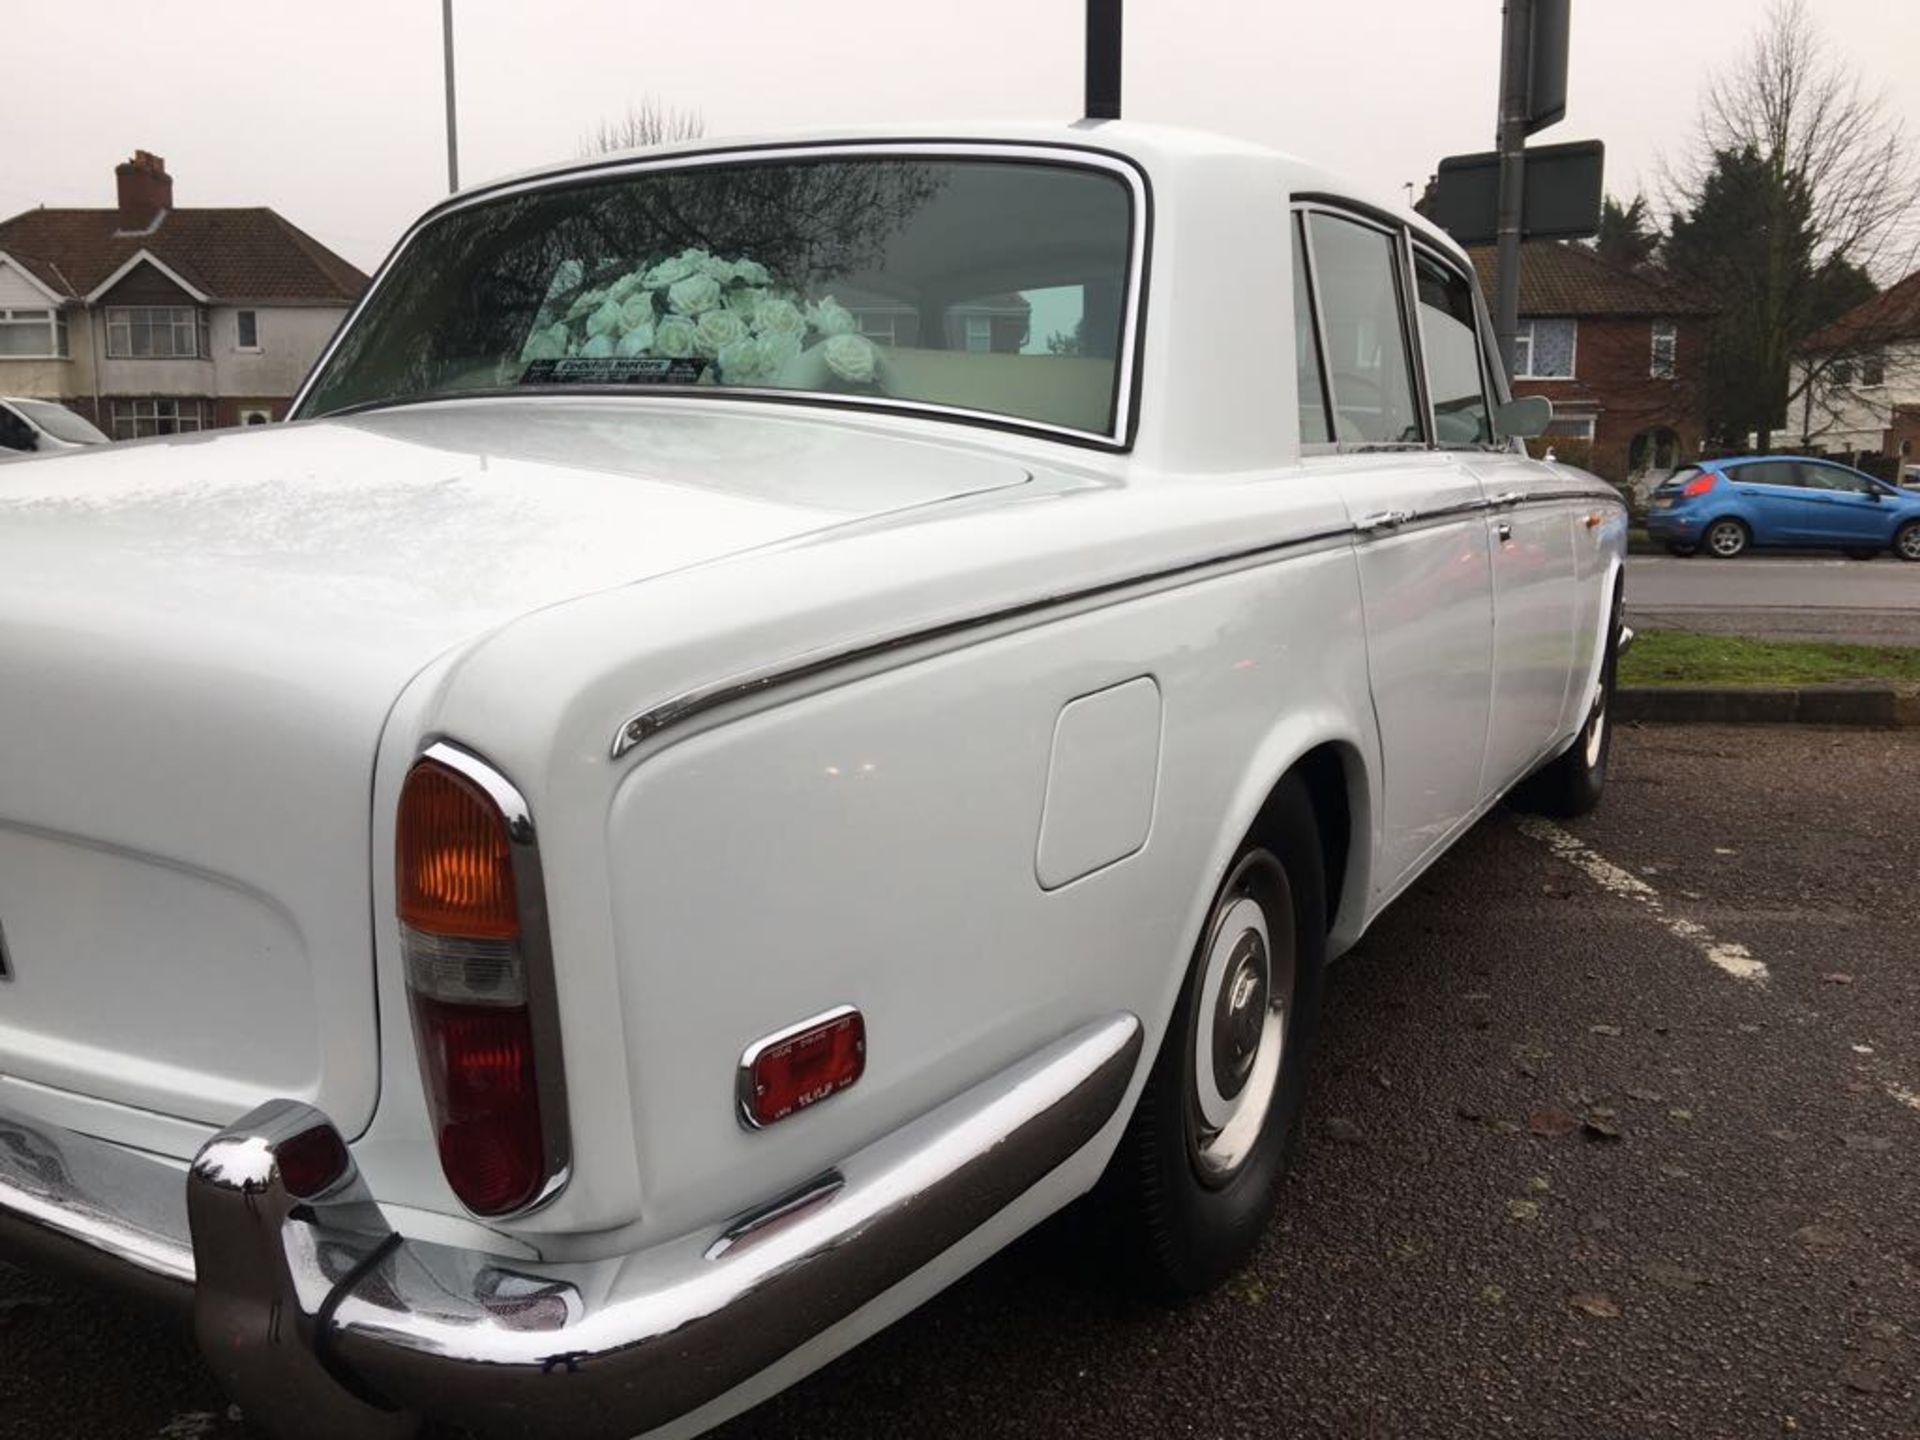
<point x="1735" y="959"/>
<point x="1905" y="1096"/>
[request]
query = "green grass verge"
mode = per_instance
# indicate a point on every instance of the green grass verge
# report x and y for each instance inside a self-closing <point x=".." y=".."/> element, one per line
<point x="1679" y="657"/>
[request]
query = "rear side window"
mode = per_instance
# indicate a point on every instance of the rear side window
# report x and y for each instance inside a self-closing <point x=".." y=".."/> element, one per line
<point x="1306" y="351"/>
<point x="1450" y="343"/>
<point x="1768" y="472"/>
<point x="1355" y="270"/>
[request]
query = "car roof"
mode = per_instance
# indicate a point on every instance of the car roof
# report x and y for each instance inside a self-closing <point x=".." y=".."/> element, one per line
<point x="1727" y="460"/>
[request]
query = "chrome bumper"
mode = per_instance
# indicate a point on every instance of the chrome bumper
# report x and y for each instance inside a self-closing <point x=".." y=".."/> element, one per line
<point x="323" y="1322"/>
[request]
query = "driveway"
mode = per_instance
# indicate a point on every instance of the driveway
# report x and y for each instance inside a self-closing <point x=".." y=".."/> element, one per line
<point x="1615" y="1133"/>
<point x="1769" y="597"/>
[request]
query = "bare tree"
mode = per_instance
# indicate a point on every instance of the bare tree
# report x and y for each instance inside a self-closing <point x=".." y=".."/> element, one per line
<point x="646" y="122"/>
<point x="1793" y="151"/>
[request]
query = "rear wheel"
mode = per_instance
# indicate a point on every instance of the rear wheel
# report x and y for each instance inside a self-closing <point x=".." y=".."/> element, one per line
<point x="1191" y="1187"/>
<point x="1726" y="538"/>
<point x="1571" y="784"/>
<point x="1907" y="543"/>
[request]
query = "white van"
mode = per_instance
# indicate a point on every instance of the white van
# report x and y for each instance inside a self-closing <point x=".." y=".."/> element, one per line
<point x="42" y="427"/>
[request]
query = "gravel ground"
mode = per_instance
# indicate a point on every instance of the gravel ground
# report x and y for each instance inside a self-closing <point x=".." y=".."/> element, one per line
<point x="1706" y="998"/>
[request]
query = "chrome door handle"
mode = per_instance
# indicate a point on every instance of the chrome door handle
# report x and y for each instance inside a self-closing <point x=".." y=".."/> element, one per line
<point x="1383" y="520"/>
<point x="1505" y="531"/>
<point x="1507" y="497"/>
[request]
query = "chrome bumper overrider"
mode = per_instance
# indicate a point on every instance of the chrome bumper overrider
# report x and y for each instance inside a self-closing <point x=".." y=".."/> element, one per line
<point x="323" y="1322"/>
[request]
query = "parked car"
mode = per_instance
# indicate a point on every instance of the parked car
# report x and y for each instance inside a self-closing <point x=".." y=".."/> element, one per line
<point x="788" y="710"/>
<point x="1726" y="507"/>
<point x="42" y="427"/>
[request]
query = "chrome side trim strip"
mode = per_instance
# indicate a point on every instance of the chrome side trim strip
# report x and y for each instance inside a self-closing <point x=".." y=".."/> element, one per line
<point x="536" y="949"/>
<point x="642" y="727"/>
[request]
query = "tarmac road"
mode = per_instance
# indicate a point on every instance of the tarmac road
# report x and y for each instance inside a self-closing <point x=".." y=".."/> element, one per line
<point x="1724" y="972"/>
<point x="1778" y="597"/>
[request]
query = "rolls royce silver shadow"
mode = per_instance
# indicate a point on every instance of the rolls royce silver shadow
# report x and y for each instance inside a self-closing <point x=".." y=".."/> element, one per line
<point x="782" y="712"/>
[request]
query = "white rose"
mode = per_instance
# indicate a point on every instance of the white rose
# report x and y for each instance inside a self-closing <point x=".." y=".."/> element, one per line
<point x="776" y="351"/>
<point x="636" y="341"/>
<point x="544" y="345"/>
<point x="676" y="267"/>
<point x="587" y="300"/>
<point x="751" y="271"/>
<point x="741" y="362"/>
<point x="566" y="275"/>
<point x="599" y="347"/>
<point x="851" y="357"/>
<point x="779" y="316"/>
<point x="623" y="287"/>
<point x="744" y="300"/>
<point x="718" y="269"/>
<point x="693" y="295"/>
<point x="830" y="317"/>
<point x="636" y="311"/>
<point x="675" y="337"/>
<point x="606" y="318"/>
<point x="717" y="328"/>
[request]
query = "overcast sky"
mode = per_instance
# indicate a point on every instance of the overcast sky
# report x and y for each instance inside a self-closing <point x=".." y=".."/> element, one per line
<point x="332" y="114"/>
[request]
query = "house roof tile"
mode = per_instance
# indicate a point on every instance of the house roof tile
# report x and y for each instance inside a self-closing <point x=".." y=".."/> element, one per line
<point x="1560" y="279"/>
<point x="1893" y="314"/>
<point x="230" y="254"/>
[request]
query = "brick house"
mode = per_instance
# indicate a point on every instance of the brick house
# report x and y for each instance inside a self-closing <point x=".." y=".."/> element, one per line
<point x="150" y="320"/>
<point x="1623" y="359"/>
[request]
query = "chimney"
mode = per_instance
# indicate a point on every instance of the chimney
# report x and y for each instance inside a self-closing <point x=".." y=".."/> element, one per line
<point x="146" y="190"/>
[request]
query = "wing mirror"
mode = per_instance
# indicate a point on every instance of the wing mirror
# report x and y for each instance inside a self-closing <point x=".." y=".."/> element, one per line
<point x="1523" y="418"/>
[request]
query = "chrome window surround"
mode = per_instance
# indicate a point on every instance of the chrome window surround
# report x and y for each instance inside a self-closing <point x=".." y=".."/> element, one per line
<point x="1127" y="363"/>
<point x="1405" y="241"/>
<point x="536" y="951"/>
<point x="743" y="1077"/>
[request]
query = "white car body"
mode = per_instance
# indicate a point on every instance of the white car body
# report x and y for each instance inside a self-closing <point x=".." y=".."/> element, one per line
<point x="812" y="705"/>
<point x="24" y="429"/>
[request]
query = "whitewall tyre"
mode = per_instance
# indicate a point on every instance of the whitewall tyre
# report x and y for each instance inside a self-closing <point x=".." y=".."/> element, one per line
<point x="1571" y="784"/>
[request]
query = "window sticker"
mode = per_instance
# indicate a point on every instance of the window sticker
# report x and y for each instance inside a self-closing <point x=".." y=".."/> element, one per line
<point x="615" y="370"/>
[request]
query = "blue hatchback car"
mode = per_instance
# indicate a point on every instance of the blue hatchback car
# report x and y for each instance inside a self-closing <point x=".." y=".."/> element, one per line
<point x="1722" y="507"/>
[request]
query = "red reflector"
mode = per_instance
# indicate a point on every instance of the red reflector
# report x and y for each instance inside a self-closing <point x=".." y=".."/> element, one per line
<point x="792" y="1071"/>
<point x="311" y="1161"/>
<point x="478" y="1062"/>
<point x="1698" y="486"/>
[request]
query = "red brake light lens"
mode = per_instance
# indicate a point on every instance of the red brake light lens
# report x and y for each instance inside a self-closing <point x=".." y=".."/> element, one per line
<point x="790" y="1073"/>
<point x="478" y="1064"/>
<point x="311" y="1161"/>
<point x="1699" y="485"/>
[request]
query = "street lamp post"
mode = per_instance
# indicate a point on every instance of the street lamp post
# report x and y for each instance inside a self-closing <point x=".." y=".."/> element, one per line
<point x="453" y="140"/>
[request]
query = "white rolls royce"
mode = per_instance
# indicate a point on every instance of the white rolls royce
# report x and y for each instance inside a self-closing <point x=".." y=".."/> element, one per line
<point x="782" y="711"/>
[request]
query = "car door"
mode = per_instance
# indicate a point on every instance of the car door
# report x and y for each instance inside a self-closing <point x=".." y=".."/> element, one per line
<point x="17" y="437"/>
<point x="1529" y="528"/>
<point x="1843" y="506"/>
<point x="1768" y="497"/>
<point x="1420" y="531"/>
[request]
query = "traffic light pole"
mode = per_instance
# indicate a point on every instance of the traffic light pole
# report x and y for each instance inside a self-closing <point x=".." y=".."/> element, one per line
<point x="1516" y="51"/>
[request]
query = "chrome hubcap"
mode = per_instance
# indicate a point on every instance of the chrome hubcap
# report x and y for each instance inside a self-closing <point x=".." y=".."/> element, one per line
<point x="1597" y="730"/>
<point x="1910" y="543"/>
<point x="1240" y="1023"/>
<point x="1727" y="540"/>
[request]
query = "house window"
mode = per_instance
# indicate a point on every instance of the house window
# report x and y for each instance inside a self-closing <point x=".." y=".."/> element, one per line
<point x="1873" y="371"/>
<point x="133" y="419"/>
<point x="1666" y="344"/>
<point x="1570" y="427"/>
<point x="877" y="325"/>
<point x="33" y="335"/>
<point x="1543" y="349"/>
<point x="155" y="332"/>
<point x="246" y="324"/>
<point x="980" y="333"/>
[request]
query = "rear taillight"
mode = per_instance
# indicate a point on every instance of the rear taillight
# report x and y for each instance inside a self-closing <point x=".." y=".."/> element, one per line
<point x="459" y="866"/>
<point x="1699" y="485"/>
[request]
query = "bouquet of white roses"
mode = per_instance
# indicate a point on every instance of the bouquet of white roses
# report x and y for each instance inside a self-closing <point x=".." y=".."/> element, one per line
<point x="696" y="305"/>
